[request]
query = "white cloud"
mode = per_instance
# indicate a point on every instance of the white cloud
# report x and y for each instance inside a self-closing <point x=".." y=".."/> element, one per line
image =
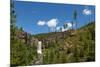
<point x="87" y="12"/>
<point x="64" y="29"/>
<point x="41" y="23"/>
<point x="69" y="25"/>
<point x="52" y="23"/>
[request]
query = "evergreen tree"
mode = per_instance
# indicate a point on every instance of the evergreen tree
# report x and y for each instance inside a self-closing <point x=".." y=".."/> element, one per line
<point x="12" y="20"/>
<point x="75" y="17"/>
<point x="65" y="25"/>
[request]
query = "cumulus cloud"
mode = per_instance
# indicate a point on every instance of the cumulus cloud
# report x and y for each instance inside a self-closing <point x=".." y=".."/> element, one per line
<point x="87" y="12"/>
<point x="69" y="25"/>
<point x="41" y="23"/>
<point x="52" y="23"/>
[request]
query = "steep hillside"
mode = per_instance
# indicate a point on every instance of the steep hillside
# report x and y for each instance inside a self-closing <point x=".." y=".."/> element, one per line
<point x="57" y="47"/>
<point x="70" y="46"/>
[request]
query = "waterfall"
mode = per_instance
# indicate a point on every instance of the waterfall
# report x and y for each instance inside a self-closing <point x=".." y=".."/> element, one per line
<point x="39" y="47"/>
<point x="39" y="52"/>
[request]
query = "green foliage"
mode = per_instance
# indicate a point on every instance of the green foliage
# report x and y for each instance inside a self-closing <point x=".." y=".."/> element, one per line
<point x="77" y="48"/>
<point x="21" y="53"/>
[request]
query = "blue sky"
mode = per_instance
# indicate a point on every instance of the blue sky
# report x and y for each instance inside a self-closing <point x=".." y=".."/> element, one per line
<point x="29" y="14"/>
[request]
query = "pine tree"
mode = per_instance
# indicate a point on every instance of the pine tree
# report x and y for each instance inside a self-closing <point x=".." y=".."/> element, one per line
<point x="65" y="25"/>
<point x="75" y="17"/>
<point x="13" y="19"/>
